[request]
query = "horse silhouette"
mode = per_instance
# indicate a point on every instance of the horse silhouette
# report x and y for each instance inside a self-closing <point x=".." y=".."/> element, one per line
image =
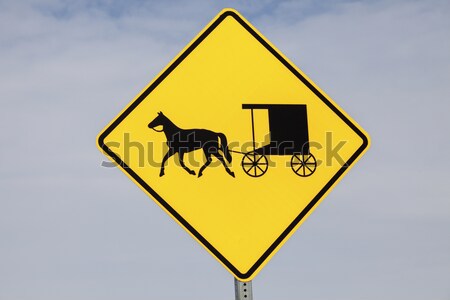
<point x="182" y="141"/>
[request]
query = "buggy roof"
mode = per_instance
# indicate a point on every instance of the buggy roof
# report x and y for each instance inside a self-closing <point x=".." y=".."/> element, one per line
<point x="269" y="106"/>
<point x="288" y="123"/>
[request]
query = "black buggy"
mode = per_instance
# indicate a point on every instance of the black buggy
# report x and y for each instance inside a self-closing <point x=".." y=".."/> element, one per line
<point x="288" y="126"/>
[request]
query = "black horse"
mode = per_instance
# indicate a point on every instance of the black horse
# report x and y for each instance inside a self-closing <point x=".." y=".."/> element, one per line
<point x="182" y="141"/>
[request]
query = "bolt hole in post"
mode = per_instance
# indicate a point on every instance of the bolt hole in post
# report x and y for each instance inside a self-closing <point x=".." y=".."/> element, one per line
<point x="243" y="290"/>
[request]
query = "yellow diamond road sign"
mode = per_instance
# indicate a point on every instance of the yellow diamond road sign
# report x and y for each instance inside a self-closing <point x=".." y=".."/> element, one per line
<point x="235" y="143"/>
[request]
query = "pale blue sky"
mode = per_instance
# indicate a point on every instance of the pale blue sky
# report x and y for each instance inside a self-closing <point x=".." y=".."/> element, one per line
<point x="70" y="229"/>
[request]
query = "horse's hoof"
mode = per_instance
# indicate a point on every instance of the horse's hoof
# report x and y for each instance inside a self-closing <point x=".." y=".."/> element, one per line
<point x="192" y="173"/>
<point x="161" y="174"/>
<point x="200" y="175"/>
<point x="232" y="174"/>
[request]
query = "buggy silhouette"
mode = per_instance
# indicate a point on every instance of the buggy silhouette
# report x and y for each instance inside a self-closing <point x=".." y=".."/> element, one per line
<point x="288" y="126"/>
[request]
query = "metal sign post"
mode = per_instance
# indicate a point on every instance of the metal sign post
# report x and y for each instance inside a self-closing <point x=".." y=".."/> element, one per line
<point x="243" y="290"/>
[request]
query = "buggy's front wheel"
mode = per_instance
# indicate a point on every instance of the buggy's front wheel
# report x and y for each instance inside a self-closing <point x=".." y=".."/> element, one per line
<point x="303" y="165"/>
<point x="254" y="164"/>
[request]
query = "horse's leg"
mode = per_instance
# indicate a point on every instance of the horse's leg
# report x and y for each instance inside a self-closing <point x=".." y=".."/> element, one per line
<point x="169" y="153"/>
<point x="208" y="161"/>
<point x="181" y="155"/>
<point x="220" y="157"/>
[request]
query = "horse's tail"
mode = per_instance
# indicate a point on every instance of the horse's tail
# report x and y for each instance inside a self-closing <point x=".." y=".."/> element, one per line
<point x="224" y="146"/>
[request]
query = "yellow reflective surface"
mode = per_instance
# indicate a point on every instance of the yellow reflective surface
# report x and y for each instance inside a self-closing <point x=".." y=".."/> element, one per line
<point x="244" y="220"/>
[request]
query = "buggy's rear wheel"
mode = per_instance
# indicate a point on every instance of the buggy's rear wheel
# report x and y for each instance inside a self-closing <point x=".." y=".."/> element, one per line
<point x="303" y="165"/>
<point x="254" y="164"/>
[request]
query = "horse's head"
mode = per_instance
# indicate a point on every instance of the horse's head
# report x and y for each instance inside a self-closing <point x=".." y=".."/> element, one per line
<point x="160" y="120"/>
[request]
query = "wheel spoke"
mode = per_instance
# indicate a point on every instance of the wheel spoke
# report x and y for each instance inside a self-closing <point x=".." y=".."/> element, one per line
<point x="305" y="161"/>
<point x="309" y="168"/>
<point x="260" y="168"/>
<point x="296" y="171"/>
<point x="248" y="167"/>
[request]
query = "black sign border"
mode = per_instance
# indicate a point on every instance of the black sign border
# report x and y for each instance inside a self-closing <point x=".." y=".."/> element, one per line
<point x="178" y="217"/>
